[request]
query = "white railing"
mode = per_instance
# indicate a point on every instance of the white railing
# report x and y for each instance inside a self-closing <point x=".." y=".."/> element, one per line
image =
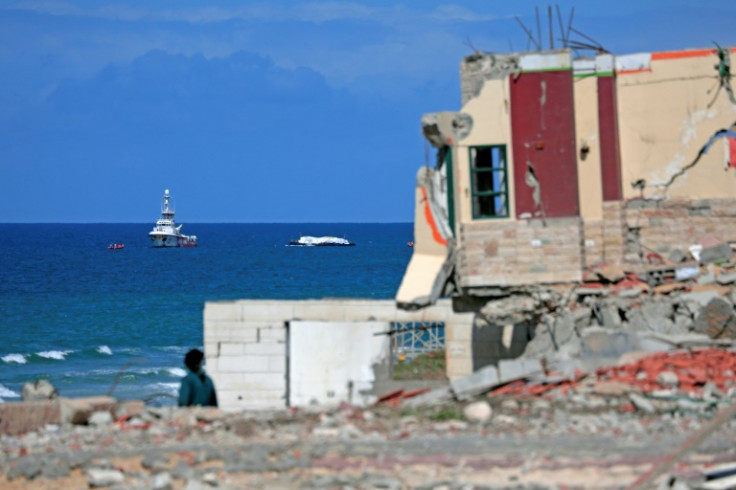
<point x="409" y="339"/>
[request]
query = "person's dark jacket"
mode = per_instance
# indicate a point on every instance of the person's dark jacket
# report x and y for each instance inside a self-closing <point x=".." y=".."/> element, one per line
<point x="197" y="389"/>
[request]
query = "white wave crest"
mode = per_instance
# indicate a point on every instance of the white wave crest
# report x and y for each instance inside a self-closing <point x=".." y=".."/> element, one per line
<point x="7" y="393"/>
<point x="178" y="372"/>
<point x="16" y="358"/>
<point x="59" y="355"/>
<point x="103" y="349"/>
<point x="174" y="348"/>
<point x="172" y="388"/>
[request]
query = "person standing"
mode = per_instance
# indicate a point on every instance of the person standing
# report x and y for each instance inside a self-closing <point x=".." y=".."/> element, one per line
<point x="197" y="389"/>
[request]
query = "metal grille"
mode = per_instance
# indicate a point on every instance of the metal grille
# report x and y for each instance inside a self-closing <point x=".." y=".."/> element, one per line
<point x="409" y="339"/>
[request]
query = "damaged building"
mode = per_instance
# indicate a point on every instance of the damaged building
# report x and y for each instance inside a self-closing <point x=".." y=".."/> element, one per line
<point x="554" y="165"/>
<point x="560" y="176"/>
<point x="575" y="208"/>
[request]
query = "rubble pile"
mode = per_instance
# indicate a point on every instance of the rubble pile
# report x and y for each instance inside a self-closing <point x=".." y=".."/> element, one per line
<point x="613" y="311"/>
<point x="699" y="374"/>
<point x="487" y="442"/>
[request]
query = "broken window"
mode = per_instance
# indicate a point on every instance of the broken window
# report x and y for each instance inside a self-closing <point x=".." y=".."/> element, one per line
<point x="488" y="181"/>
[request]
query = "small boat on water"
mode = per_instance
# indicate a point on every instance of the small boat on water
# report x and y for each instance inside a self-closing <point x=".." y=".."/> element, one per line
<point x="166" y="233"/>
<point x="115" y="246"/>
<point x="321" y="241"/>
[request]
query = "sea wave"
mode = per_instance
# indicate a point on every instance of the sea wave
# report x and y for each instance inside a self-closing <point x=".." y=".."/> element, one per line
<point x="59" y="355"/>
<point x="178" y="372"/>
<point x="174" y="348"/>
<point x="172" y="388"/>
<point x="14" y="359"/>
<point x="8" y="393"/>
<point x="103" y="349"/>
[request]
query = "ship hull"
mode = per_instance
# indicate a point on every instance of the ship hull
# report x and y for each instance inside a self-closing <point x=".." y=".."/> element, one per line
<point x="163" y="241"/>
<point x="159" y="240"/>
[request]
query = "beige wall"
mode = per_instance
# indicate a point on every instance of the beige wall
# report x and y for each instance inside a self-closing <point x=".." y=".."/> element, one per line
<point x="586" y="131"/>
<point x="491" y="126"/>
<point x="664" y="120"/>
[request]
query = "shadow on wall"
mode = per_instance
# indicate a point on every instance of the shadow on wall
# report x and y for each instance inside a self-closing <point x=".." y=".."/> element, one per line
<point x="491" y="343"/>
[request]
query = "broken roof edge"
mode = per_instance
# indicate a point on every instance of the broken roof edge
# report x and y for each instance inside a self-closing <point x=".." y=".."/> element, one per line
<point x="500" y="65"/>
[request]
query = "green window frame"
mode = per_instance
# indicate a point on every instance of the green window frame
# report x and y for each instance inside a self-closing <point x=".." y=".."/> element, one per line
<point x="447" y="159"/>
<point x="489" y="181"/>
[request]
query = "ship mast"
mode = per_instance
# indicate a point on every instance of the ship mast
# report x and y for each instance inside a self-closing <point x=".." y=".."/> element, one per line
<point x="166" y="211"/>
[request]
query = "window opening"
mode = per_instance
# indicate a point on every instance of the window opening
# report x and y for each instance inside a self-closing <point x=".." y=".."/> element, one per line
<point x="489" y="182"/>
<point x="418" y="350"/>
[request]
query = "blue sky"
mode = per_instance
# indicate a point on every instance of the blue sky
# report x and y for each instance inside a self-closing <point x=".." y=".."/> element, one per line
<point x="278" y="111"/>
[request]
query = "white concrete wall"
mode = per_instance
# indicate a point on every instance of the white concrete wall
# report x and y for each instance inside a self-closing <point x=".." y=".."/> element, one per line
<point x="246" y="342"/>
<point x="330" y="362"/>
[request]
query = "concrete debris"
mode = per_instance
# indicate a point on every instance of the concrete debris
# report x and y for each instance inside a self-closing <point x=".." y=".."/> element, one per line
<point x="510" y="310"/>
<point x="478" y="412"/>
<point x="717" y="319"/>
<point x="716" y="253"/>
<point x="613" y="371"/>
<point x="611" y="421"/>
<point x="673" y="374"/>
<point x="38" y="390"/>
<point x="441" y="128"/>
<point x="479" y="382"/>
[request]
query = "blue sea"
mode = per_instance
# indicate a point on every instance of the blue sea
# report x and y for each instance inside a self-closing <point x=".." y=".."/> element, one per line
<point x="94" y="321"/>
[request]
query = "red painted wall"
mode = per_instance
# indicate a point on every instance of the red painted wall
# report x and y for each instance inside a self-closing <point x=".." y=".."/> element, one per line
<point x="608" y="136"/>
<point x="543" y="132"/>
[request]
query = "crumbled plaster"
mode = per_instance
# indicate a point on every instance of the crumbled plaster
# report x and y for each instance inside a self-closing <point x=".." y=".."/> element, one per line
<point x="479" y="67"/>
<point x="446" y="128"/>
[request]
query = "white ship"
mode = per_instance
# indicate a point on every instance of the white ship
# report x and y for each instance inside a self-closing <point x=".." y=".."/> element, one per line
<point x="166" y="233"/>
<point x="322" y="241"/>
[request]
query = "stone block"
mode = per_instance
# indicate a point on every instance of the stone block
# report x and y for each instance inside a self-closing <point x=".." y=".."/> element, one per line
<point x="223" y="311"/>
<point x="513" y="369"/>
<point x="242" y="364"/>
<point x="716" y="253"/>
<point x="601" y="342"/>
<point x="726" y="278"/>
<point x="269" y="311"/>
<point x="264" y="381"/>
<point x="219" y="331"/>
<point x="226" y="381"/>
<point x="211" y="350"/>
<point x="78" y="410"/>
<point x="717" y="319"/>
<point x="479" y="382"/>
<point x="265" y="349"/>
<point x="318" y="310"/>
<point x="20" y="417"/>
<point x="39" y="390"/>
<point x="380" y="311"/>
<point x="277" y="364"/>
<point x="231" y="349"/>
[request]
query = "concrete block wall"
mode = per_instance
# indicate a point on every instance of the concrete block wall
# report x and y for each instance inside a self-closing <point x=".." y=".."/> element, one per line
<point x="245" y="352"/>
<point x="514" y="253"/>
<point x="663" y="226"/>
<point x="614" y="233"/>
<point x="246" y="342"/>
<point x="593" y="248"/>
